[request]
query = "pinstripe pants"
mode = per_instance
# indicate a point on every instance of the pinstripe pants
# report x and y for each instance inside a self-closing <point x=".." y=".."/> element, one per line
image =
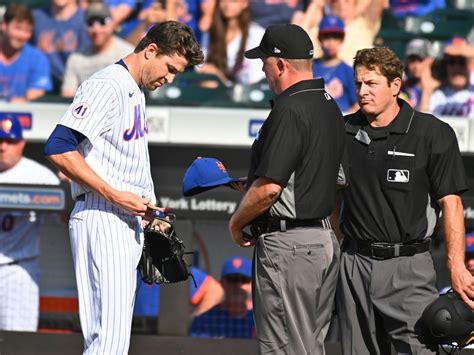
<point x="106" y="247"/>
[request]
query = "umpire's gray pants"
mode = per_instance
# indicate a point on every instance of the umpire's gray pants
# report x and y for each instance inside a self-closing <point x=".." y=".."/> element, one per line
<point x="379" y="302"/>
<point x="293" y="285"/>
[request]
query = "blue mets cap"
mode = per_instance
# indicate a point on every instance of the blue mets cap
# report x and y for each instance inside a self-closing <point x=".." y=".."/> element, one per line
<point x="10" y="128"/>
<point x="331" y="24"/>
<point x="237" y="265"/>
<point x="205" y="174"/>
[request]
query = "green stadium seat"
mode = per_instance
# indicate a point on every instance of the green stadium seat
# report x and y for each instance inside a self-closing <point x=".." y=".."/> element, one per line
<point x="193" y="89"/>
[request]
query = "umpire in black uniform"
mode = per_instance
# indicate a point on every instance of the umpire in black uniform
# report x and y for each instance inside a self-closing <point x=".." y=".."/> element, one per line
<point x="291" y="192"/>
<point x="404" y="166"/>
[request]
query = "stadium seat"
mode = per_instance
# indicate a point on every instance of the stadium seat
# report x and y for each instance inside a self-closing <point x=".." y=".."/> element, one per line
<point x="441" y="24"/>
<point x="193" y="89"/>
<point x="256" y="95"/>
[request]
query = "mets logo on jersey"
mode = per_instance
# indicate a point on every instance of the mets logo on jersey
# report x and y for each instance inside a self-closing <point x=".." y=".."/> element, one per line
<point x="137" y="131"/>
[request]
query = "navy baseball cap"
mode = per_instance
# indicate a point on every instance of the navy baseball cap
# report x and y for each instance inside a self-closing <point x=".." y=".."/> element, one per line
<point x="331" y="24"/>
<point x="10" y="128"/>
<point x="237" y="265"/>
<point x="205" y="174"/>
<point x="283" y="41"/>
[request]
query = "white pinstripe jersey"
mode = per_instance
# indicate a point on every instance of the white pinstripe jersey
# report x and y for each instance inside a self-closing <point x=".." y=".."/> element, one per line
<point x="20" y="230"/>
<point x="109" y="109"/>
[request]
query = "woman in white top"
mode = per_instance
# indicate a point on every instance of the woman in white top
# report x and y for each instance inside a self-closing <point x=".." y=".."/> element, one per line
<point x="230" y="35"/>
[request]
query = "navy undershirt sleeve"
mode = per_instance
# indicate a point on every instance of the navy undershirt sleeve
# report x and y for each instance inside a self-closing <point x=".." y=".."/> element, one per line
<point x="62" y="140"/>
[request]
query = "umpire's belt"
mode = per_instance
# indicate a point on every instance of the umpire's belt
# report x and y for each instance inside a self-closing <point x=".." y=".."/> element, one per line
<point x="282" y="225"/>
<point x="382" y="251"/>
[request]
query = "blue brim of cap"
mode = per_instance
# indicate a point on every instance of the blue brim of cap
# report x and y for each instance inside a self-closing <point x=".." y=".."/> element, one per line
<point x="209" y="186"/>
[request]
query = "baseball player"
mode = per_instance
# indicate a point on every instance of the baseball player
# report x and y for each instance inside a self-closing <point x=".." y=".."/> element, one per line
<point x="19" y="234"/>
<point x="404" y="166"/>
<point x="101" y="145"/>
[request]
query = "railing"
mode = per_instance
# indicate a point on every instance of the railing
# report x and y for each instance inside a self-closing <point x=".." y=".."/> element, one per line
<point x="207" y="126"/>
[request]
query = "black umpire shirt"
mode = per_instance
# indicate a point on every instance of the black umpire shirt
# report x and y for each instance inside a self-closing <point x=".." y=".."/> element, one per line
<point x="300" y="146"/>
<point x="397" y="175"/>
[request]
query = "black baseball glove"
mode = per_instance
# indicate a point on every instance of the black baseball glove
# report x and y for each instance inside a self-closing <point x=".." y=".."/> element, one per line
<point x="162" y="257"/>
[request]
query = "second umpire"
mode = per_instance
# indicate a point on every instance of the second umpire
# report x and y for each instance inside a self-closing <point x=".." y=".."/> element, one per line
<point x="404" y="166"/>
<point x="291" y="192"/>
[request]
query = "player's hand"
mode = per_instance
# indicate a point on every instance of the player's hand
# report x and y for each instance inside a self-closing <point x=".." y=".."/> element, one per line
<point x="462" y="282"/>
<point x="130" y="202"/>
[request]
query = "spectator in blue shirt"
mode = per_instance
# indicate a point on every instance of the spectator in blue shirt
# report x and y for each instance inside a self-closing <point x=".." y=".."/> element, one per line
<point x="337" y="75"/>
<point x="24" y="70"/>
<point x="233" y="318"/>
<point x="59" y="31"/>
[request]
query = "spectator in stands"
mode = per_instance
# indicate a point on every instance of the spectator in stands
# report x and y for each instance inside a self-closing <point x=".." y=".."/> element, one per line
<point x="152" y="12"/>
<point x="232" y="33"/>
<point x="419" y="83"/>
<point x="456" y="96"/>
<point x="271" y="12"/>
<point x="202" y="297"/>
<point x="337" y="75"/>
<point x="233" y="318"/>
<point x="19" y="233"/>
<point x="24" y="70"/>
<point x="417" y="8"/>
<point x="106" y="48"/>
<point x="122" y="11"/>
<point x="362" y="19"/>
<point x="59" y="31"/>
<point x="197" y="14"/>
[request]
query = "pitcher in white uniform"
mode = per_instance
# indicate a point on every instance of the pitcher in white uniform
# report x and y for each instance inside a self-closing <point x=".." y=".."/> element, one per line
<point x="101" y="145"/>
<point x="19" y="234"/>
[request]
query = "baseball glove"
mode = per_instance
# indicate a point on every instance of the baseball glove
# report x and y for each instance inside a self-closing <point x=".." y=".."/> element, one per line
<point x="162" y="257"/>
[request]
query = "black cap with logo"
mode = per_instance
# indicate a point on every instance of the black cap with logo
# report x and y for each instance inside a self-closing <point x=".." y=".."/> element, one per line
<point x="283" y="41"/>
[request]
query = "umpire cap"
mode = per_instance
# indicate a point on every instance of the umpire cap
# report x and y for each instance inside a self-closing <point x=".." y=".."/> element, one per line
<point x="446" y="320"/>
<point x="283" y="41"/>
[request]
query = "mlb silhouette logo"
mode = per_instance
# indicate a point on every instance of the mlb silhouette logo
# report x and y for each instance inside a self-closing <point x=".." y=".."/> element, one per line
<point x="398" y="175"/>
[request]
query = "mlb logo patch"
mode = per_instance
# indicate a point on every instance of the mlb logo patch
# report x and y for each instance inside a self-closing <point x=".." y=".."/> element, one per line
<point x="398" y="175"/>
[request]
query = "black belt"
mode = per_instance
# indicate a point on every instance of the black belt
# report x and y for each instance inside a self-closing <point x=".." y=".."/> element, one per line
<point x="282" y="225"/>
<point x="383" y="251"/>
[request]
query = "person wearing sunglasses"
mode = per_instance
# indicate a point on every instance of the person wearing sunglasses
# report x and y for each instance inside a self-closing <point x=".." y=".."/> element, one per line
<point x="106" y="48"/>
<point x="456" y="96"/>
<point x="233" y="317"/>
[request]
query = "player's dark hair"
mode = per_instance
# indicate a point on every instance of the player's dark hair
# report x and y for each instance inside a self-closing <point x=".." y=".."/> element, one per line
<point x="173" y="37"/>
<point x="381" y="58"/>
<point x="18" y="12"/>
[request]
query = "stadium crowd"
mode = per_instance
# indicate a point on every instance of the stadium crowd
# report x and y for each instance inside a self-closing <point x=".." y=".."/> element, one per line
<point x="58" y="44"/>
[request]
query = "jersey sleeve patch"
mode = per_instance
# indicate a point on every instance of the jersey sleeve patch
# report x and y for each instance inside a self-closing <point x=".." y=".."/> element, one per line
<point x="81" y="110"/>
